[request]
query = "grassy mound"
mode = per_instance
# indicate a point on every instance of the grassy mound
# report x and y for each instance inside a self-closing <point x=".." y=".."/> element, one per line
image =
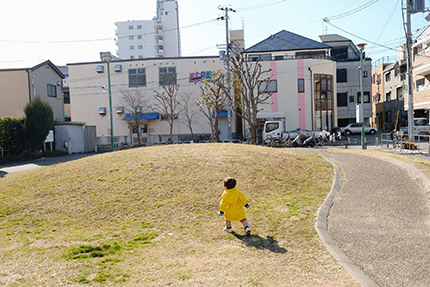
<point x="147" y="217"/>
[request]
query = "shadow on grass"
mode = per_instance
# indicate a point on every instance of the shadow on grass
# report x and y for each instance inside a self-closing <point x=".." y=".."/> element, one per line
<point x="260" y="243"/>
<point x="2" y="173"/>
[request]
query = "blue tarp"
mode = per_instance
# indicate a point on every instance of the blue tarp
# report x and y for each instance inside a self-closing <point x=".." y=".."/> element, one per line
<point x="145" y="116"/>
<point x="222" y="114"/>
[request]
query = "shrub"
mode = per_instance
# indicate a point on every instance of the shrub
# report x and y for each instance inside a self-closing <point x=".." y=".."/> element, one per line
<point x="39" y="120"/>
<point x="12" y="136"/>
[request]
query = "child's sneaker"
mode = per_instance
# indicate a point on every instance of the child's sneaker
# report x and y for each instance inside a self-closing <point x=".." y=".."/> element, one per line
<point x="229" y="230"/>
<point x="247" y="231"/>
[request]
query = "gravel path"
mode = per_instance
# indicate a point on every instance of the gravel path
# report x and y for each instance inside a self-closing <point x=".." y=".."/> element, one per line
<point x="381" y="220"/>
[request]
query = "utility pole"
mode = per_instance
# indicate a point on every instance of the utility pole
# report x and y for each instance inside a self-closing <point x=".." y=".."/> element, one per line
<point x="227" y="62"/>
<point x="410" y="79"/>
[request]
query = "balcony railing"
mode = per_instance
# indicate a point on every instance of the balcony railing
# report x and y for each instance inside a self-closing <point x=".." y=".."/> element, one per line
<point x="423" y="88"/>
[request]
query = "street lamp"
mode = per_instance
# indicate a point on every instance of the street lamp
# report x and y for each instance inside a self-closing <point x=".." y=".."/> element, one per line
<point x="107" y="57"/>
<point x="361" y="47"/>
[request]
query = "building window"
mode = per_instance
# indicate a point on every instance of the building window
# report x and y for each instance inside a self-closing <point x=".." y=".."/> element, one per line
<point x="140" y="56"/>
<point x="130" y="27"/>
<point x="323" y="101"/>
<point x="366" y="98"/>
<point x="310" y="55"/>
<point x="136" y="78"/>
<point x="388" y="76"/>
<point x="399" y="93"/>
<point x="140" y="47"/>
<point x="388" y="97"/>
<point x="365" y="74"/>
<point x="351" y="99"/>
<point x="342" y="76"/>
<point x="130" y="37"/>
<point x="273" y="86"/>
<point x="167" y="75"/>
<point x="339" y="53"/>
<point x="66" y="98"/>
<point x="279" y="58"/>
<point x="420" y="82"/>
<point x="342" y="99"/>
<point x="139" y="27"/>
<point x="131" y="47"/>
<point x="262" y="57"/>
<point x="52" y="91"/>
<point x="131" y="57"/>
<point x="301" y="85"/>
<point x="139" y="37"/>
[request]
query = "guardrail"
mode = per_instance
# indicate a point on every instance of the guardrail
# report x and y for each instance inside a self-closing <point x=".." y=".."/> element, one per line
<point x="419" y="144"/>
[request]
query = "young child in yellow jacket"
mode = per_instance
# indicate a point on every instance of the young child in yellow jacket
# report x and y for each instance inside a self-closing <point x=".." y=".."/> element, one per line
<point x="231" y="206"/>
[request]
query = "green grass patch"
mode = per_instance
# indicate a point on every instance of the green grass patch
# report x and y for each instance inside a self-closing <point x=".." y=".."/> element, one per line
<point x="148" y="217"/>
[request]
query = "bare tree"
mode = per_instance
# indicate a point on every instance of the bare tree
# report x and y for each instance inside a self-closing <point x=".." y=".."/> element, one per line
<point x="167" y="102"/>
<point x="252" y="81"/>
<point x="190" y="111"/>
<point x="134" y="102"/>
<point x="213" y="99"/>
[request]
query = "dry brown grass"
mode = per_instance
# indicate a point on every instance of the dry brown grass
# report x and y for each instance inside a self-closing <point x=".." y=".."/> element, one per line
<point x="158" y="207"/>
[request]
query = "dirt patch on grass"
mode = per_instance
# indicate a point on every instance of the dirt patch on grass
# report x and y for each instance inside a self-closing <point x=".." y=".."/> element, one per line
<point x="147" y="217"/>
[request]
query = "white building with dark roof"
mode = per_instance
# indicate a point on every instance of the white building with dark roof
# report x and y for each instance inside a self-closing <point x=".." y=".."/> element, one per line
<point x="303" y="81"/>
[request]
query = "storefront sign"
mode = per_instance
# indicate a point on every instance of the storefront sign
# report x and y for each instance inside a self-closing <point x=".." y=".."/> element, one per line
<point x="197" y="77"/>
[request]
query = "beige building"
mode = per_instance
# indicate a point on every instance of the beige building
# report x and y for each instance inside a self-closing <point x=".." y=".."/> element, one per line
<point x="421" y="71"/>
<point x="89" y="97"/>
<point x="20" y="86"/>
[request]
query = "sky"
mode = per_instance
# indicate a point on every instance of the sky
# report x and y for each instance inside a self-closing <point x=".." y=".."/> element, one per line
<point x="76" y="31"/>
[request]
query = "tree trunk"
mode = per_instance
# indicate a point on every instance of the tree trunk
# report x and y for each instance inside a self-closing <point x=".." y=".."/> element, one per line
<point x="171" y="132"/>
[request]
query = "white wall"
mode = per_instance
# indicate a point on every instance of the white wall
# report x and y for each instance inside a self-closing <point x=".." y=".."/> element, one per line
<point x="87" y="94"/>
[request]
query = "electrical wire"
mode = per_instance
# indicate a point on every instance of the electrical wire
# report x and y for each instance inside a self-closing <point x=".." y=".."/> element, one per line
<point x="389" y="18"/>
<point x="259" y="6"/>
<point x="104" y="39"/>
<point x="353" y="11"/>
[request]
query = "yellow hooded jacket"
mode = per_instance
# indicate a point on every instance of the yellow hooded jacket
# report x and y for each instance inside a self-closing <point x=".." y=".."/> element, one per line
<point x="232" y="204"/>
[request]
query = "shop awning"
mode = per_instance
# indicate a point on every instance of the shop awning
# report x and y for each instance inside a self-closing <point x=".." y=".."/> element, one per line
<point x="222" y="114"/>
<point x="145" y="116"/>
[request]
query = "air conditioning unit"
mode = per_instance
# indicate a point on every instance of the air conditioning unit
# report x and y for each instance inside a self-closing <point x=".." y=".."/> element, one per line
<point x="117" y="68"/>
<point x="120" y="110"/>
<point x="102" y="111"/>
<point x="100" y="69"/>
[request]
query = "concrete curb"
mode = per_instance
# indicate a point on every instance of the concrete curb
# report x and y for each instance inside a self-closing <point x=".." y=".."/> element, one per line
<point x="321" y="227"/>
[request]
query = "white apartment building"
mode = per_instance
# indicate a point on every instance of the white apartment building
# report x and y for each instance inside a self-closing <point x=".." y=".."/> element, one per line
<point x="159" y="37"/>
<point x="347" y="57"/>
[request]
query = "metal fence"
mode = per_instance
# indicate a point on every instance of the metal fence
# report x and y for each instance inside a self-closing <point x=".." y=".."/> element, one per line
<point x="420" y="144"/>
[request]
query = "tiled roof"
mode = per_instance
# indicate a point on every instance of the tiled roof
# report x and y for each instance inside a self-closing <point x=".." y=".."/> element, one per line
<point x="286" y="41"/>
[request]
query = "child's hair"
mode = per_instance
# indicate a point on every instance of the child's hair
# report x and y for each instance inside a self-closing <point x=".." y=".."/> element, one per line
<point x="229" y="182"/>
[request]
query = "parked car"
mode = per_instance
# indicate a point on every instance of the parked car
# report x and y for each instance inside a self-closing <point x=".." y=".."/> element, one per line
<point x="421" y="127"/>
<point x="355" y="128"/>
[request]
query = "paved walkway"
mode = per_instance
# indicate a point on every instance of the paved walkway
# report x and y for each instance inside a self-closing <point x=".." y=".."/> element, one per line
<point x="38" y="163"/>
<point x="381" y="220"/>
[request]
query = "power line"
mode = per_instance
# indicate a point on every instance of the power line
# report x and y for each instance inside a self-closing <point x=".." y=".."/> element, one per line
<point x="259" y="6"/>
<point x="103" y="39"/>
<point x="353" y="11"/>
